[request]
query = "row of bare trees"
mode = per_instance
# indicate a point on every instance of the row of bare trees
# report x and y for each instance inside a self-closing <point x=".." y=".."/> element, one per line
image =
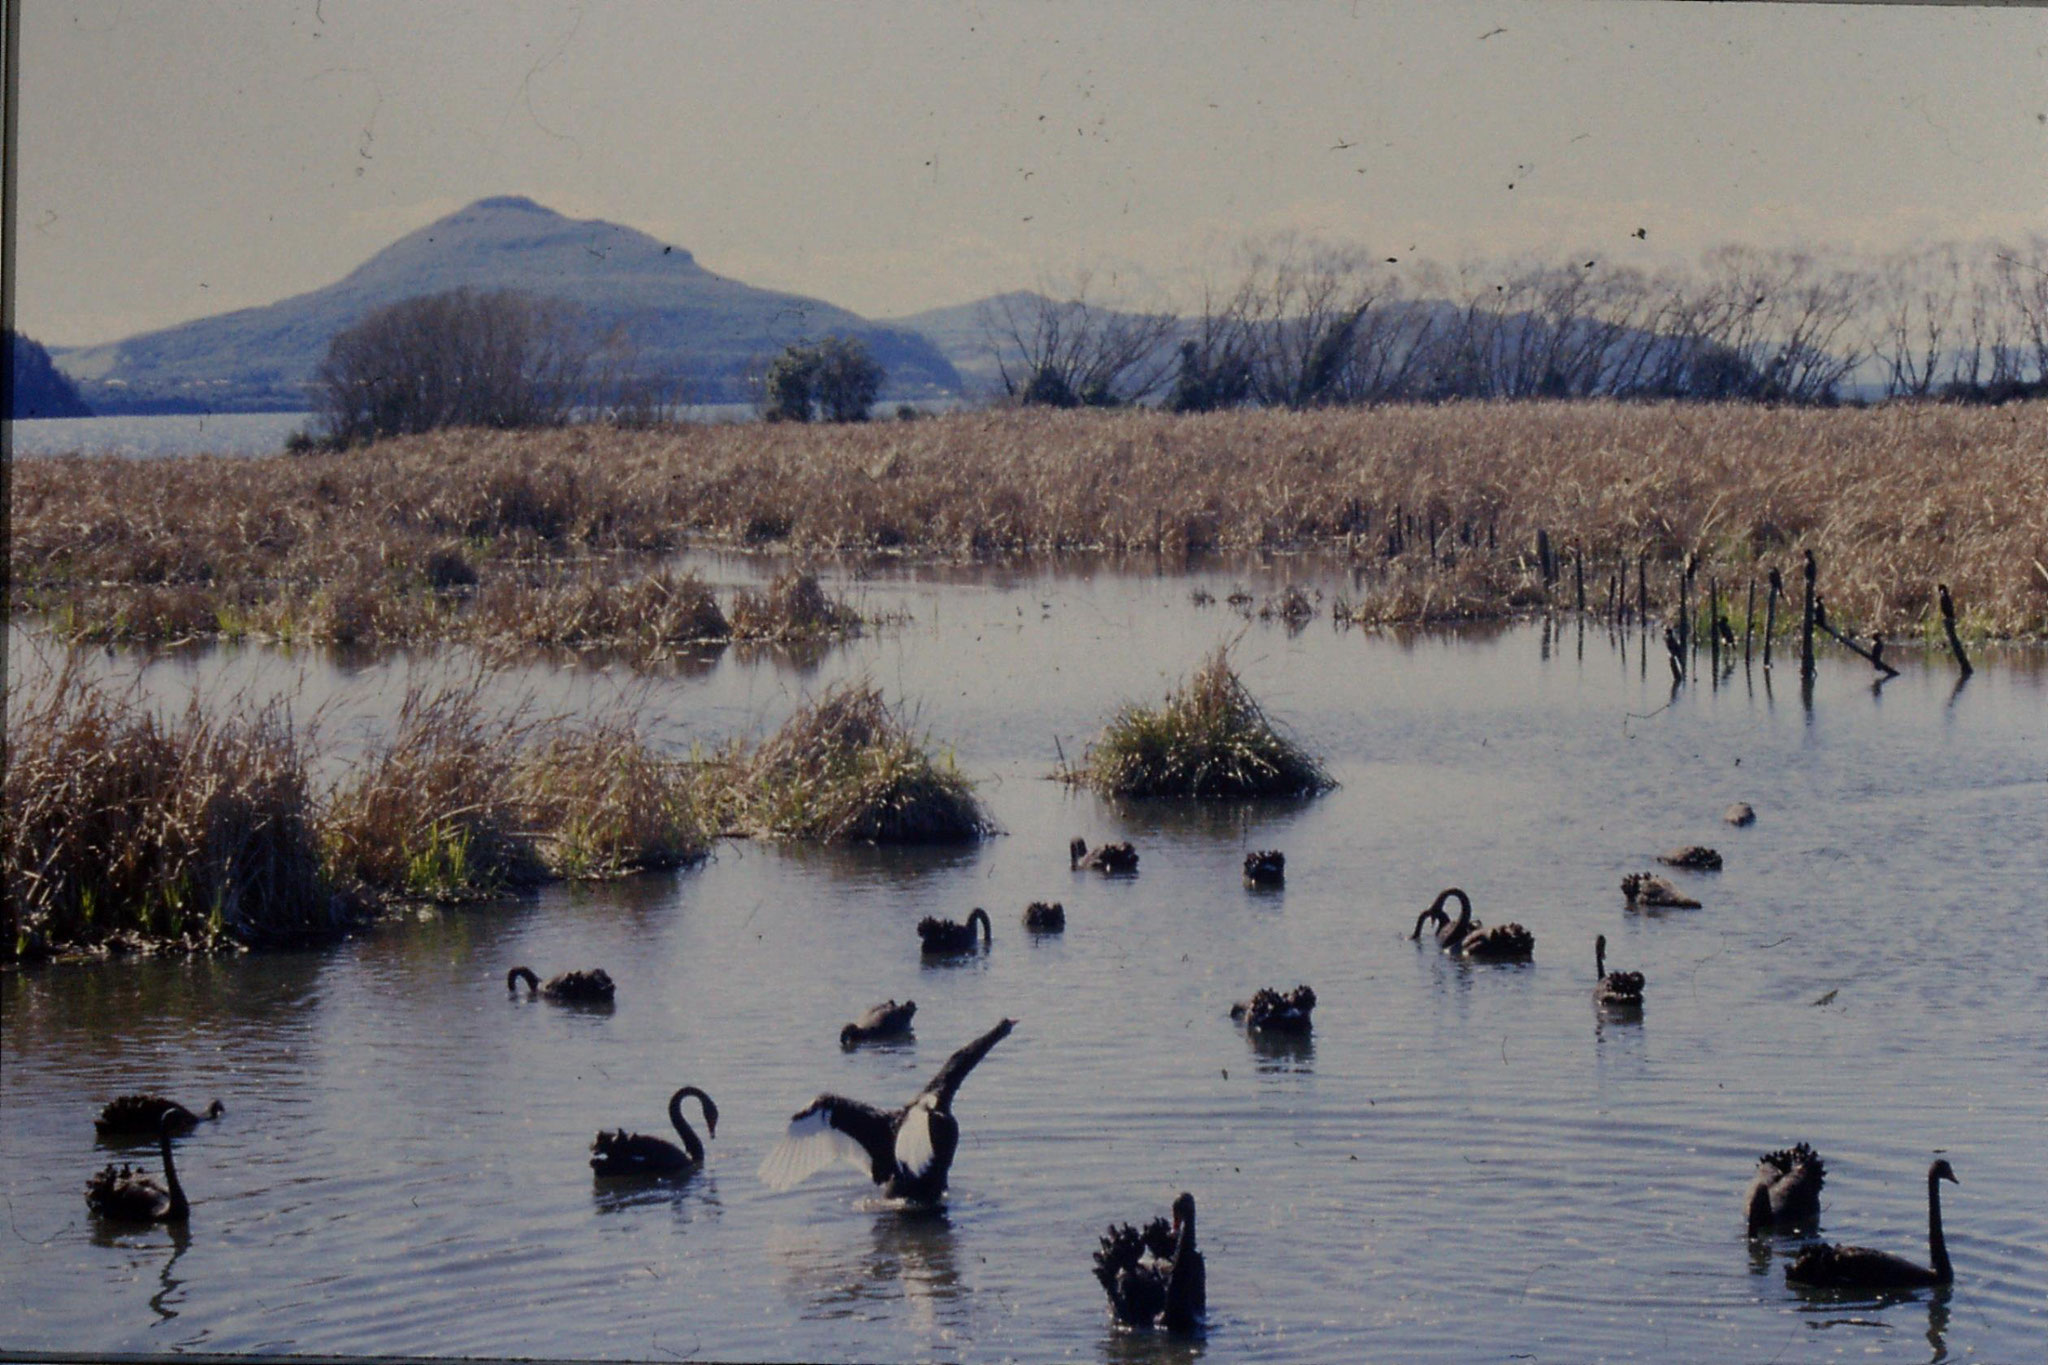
<point x="1309" y="324"/>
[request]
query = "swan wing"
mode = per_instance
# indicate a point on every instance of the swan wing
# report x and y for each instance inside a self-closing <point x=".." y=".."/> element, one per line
<point x="828" y="1131"/>
<point x="915" y="1148"/>
<point x="960" y="1063"/>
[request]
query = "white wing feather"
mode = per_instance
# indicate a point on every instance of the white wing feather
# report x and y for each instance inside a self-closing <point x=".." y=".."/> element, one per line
<point x="914" y="1137"/>
<point x="811" y="1145"/>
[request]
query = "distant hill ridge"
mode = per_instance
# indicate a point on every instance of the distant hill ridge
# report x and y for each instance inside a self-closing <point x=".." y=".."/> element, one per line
<point x="683" y="322"/>
<point x="35" y="387"/>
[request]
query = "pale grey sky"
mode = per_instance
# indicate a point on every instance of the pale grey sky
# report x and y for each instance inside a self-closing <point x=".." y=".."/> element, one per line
<point x="181" y="159"/>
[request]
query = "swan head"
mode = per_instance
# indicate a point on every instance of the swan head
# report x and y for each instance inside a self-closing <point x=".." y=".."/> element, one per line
<point x="215" y="1110"/>
<point x="1941" y="1170"/>
<point x="1183" y="1210"/>
<point x="849" y="1035"/>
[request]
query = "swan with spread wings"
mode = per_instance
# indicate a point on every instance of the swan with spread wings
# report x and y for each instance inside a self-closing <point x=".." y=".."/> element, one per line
<point x="907" y="1151"/>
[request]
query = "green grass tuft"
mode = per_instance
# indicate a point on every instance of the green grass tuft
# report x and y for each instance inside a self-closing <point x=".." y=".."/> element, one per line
<point x="1209" y="739"/>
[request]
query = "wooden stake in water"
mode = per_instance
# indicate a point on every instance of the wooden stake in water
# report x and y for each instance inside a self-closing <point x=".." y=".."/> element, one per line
<point x="1714" y="623"/>
<point x="1812" y="572"/>
<point x="1771" y="616"/>
<point x="1948" y="623"/>
<point x="1748" y="620"/>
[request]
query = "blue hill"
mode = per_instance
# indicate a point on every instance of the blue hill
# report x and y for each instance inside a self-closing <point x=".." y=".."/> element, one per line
<point x="682" y="323"/>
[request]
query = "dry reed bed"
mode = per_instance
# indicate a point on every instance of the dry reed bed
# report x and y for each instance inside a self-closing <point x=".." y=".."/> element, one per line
<point x="1892" y="499"/>
<point x="128" y="830"/>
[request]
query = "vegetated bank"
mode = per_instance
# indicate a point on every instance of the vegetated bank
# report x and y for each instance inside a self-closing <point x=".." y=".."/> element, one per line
<point x="130" y="830"/>
<point x="1444" y="503"/>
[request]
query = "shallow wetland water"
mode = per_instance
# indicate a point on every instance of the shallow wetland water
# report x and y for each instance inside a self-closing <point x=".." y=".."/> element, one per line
<point x="1466" y="1163"/>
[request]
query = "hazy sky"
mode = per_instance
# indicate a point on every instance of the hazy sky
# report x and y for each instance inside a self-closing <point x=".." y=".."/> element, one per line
<point x="181" y="159"/>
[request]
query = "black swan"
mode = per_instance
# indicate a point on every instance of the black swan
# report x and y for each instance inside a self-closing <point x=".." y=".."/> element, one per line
<point x="1470" y="939"/>
<point x="1104" y="858"/>
<point x="1617" y="990"/>
<point x="1497" y="943"/>
<point x="906" y="1151"/>
<point x="1741" y="813"/>
<point x="1043" y="918"/>
<point x="1267" y="867"/>
<point x="1155" y="1276"/>
<point x="941" y="936"/>
<point x="1786" y="1190"/>
<point x="886" y="1020"/>
<point x="1694" y="856"/>
<point x="1648" y="890"/>
<point x="1448" y="932"/>
<point x="124" y="1196"/>
<point x="1271" y="1012"/>
<point x="570" y="988"/>
<point x="143" y="1116"/>
<point x="624" y="1153"/>
<point x="1840" y="1267"/>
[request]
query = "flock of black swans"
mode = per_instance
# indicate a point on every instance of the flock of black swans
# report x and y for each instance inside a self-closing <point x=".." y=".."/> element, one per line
<point x="1154" y="1276"/>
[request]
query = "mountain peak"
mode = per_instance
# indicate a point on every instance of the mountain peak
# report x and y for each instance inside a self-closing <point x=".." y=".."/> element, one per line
<point x="518" y="203"/>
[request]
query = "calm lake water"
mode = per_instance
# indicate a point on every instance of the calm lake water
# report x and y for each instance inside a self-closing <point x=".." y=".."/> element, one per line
<point x="1466" y="1163"/>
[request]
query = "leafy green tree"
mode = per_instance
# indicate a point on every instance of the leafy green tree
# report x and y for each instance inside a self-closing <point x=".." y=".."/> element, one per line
<point x="834" y="380"/>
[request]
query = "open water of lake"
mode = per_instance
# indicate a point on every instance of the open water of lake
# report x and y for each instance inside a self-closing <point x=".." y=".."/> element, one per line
<point x="1467" y="1162"/>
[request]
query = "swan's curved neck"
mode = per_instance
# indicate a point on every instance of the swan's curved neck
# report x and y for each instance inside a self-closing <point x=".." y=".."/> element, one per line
<point x="179" y="1205"/>
<point x="513" y="977"/>
<point x="1937" y="1245"/>
<point x="981" y="916"/>
<point x="691" y="1142"/>
<point x="1464" y="904"/>
<point x="1600" y="957"/>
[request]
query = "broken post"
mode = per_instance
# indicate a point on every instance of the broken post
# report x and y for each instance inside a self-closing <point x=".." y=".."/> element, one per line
<point x="1874" y="655"/>
<point x="1948" y="623"/>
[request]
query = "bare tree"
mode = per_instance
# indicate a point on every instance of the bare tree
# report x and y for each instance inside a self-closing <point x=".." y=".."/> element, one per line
<point x="1913" y="316"/>
<point x="1070" y="353"/>
<point x="461" y="358"/>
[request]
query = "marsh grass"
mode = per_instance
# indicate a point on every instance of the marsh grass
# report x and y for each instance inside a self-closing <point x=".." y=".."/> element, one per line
<point x="1209" y="738"/>
<point x="793" y="608"/>
<point x="605" y="804"/>
<point x="846" y="768"/>
<point x="125" y="828"/>
<point x="430" y="813"/>
<point x="1891" y="499"/>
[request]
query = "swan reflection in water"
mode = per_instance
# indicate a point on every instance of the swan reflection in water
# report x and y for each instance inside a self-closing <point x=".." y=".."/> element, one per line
<point x="168" y="1284"/>
<point x="1282" y="1051"/>
<point x="1123" y="1347"/>
<point x="692" y="1194"/>
<point x="908" y="1256"/>
<point x="1937" y="1313"/>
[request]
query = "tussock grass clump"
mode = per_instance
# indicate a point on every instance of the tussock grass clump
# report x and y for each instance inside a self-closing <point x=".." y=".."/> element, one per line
<point x="605" y="804"/>
<point x="1209" y="739"/>
<point x="847" y="769"/>
<point x="651" y="613"/>
<point x="462" y="802"/>
<point x="125" y="829"/>
<point x="795" y="607"/>
<point x="430" y="814"/>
